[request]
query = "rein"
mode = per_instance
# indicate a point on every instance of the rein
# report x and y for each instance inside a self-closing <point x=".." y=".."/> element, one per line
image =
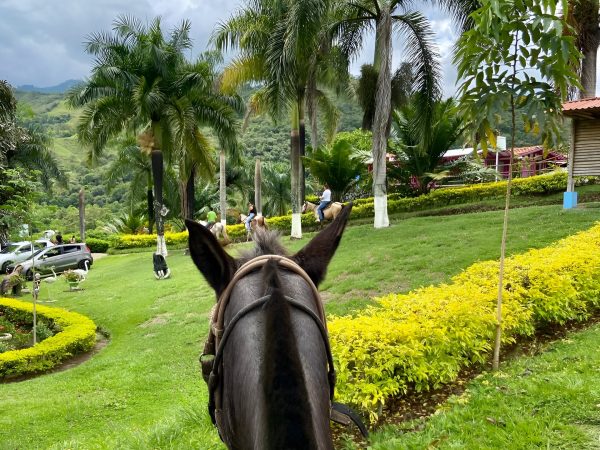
<point x="211" y="358"/>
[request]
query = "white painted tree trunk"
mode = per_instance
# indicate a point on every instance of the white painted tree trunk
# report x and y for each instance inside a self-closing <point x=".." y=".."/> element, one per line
<point x="222" y="188"/>
<point x="296" y="226"/>
<point x="382" y="116"/>
<point x="161" y="245"/>
<point x="258" y="187"/>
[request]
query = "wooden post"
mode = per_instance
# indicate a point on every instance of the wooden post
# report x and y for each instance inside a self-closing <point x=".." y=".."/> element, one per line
<point x="257" y="187"/>
<point x="571" y="159"/>
<point x="82" y="214"/>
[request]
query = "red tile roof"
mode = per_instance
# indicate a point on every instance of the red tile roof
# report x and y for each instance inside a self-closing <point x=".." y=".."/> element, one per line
<point x="585" y="104"/>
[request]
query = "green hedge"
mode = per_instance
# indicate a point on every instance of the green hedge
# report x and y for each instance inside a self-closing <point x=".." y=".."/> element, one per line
<point x="77" y="334"/>
<point x="423" y="339"/>
<point x="97" y="245"/>
<point x="538" y="185"/>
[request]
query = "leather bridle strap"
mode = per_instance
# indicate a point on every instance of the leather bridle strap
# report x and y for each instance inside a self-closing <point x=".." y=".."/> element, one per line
<point x="214" y="377"/>
<point x="250" y="266"/>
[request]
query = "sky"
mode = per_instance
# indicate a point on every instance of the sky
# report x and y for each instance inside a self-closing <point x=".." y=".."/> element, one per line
<point x="41" y="41"/>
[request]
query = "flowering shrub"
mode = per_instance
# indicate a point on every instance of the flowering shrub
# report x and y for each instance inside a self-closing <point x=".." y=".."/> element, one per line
<point x="77" y="335"/>
<point x="424" y="338"/>
<point x="364" y="207"/>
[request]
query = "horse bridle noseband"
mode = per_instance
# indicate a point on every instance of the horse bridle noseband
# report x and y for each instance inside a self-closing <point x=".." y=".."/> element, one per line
<point x="211" y="358"/>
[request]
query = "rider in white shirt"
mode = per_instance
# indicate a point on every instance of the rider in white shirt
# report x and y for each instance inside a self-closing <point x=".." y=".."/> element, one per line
<point x="325" y="201"/>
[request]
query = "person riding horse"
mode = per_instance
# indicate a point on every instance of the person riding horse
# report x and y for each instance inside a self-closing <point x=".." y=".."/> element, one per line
<point x="211" y="218"/>
<point x="325" y="201"/>
<point x="251" y="215"/>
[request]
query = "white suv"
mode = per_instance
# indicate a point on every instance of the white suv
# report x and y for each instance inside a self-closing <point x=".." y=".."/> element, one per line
<point x="20" y="251"/>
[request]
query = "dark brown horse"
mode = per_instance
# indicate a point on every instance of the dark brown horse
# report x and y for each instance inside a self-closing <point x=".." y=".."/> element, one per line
<point x="271" y="376"/>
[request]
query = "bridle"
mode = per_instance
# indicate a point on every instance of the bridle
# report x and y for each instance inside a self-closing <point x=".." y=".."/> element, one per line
<point x="211" y="360"/>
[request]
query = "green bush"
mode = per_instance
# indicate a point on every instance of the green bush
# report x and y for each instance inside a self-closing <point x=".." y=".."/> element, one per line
<point x="97" y="245"/>
<point x="76" y="334"/>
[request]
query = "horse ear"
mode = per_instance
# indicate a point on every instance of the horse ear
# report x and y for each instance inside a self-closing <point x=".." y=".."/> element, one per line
<point x="210" y="258"/>
<point x="315" y="256"/>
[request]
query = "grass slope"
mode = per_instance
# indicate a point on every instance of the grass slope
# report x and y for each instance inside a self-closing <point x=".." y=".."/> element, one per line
<point x="144" y="389"/>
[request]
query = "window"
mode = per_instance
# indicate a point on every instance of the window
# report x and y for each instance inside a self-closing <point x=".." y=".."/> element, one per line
<point x="70" y="248"/>
<point x="52" y="252"/>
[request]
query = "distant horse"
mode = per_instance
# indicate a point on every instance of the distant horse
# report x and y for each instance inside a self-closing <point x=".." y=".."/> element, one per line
<point x="270" y="372"/>
<point x="257" y="222"/>
<point x="218" y="230"/>
<point x="330" y="213"/>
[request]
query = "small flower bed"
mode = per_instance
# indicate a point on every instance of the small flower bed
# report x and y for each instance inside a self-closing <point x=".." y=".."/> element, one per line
<point x="73" y="334"/>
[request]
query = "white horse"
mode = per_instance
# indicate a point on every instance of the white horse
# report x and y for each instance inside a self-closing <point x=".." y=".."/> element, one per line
<point x="218" y="230"/>
<point x="258" y="221"/>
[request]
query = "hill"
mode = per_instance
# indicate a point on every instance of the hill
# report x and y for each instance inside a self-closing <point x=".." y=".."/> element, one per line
<point x="58" y="89"/>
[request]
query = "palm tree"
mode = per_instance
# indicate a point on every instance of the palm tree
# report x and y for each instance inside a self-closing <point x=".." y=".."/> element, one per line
<point x="282" y="45"/>
<point x="135" y="163"/>
<point x="338" y="165"/>
<point x="141" y="83"/>
<point x="385" y="16"/>
<point x="27" y="146"/>
<point x="402" y="81"/>
<point x="276" y="179"/>
<point x="419" y="157"/>
<point x="584" y="17"/>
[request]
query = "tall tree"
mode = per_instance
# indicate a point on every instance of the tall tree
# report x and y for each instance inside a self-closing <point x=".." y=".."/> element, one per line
<point x="142" y="83"/>
<point x="282" y="46"/>
<point x="516" y="57"/>
<point x="584" y="17"/>
<point x="384" y="16"/>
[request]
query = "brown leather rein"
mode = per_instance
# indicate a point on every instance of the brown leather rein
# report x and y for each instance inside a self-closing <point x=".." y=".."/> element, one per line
<point x="211" y="358"/>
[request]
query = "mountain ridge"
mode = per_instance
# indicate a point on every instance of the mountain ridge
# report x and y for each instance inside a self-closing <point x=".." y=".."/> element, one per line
<point x="60" y="88"/>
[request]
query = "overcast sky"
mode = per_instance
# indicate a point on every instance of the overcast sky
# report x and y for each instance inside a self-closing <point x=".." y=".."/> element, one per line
<point x="41" y="41"/>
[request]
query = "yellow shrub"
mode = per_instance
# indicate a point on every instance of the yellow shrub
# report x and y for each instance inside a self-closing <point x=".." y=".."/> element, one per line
<point x="424" y="338"/>
<point x="77" y="335"/>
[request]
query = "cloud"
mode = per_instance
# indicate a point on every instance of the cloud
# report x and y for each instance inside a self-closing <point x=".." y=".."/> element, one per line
<point x="42" y="40"/>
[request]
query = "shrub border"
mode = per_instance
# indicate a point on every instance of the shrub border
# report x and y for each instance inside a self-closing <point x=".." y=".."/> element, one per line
<point x="422" y="339"/>
<point x="77" y="335"/>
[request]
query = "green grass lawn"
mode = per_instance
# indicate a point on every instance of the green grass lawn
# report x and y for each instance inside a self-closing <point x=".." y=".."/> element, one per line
<point x="144" y="390"/>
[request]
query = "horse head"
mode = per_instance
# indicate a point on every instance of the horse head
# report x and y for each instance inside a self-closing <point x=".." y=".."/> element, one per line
<point x="273" y="368"/>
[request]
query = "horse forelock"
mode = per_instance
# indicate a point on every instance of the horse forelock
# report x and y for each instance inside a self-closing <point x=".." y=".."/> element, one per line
<point x="265" y="243"/>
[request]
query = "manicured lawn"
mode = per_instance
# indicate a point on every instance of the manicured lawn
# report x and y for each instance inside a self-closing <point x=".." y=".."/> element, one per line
<point x="144" y="389"/>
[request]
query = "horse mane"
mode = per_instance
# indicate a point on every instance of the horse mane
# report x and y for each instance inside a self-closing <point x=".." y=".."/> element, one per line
<point x="265" y="243"/>
<point x="287" y="403"/>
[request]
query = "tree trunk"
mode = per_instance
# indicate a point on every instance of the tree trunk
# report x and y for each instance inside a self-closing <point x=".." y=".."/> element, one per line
<point x="302" y="152"/>
<point x="588" y="64"/>
<point x="258" y="187"/>
<point x="296" y="232"/>
<point x="311" y="109"/>
<point x="157" y="175"/>
<point x="82" y="215"/>
<point x="189" y="195"/>
<point x="150" y="205"/>
<point x="382" y="115"/>
<point x="222" y="188"/>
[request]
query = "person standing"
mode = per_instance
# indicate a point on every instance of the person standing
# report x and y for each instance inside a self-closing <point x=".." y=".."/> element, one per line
<point x="325" y="201"/>
<point x="58" y="237"/>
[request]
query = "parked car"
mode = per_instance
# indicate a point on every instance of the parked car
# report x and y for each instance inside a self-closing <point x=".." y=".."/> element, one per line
<point x="58" y="258"/>
<point x="19" y="251"/>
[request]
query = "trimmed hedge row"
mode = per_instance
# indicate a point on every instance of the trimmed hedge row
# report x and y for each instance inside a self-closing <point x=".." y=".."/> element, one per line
<point x="77" y="334"/>
<point x="97" y="245"/>
<point x="422" y="339"/>
<point x="538" y="185"/>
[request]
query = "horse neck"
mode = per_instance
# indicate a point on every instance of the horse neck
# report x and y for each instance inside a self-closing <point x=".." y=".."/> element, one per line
<point x="287" y="404"/>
